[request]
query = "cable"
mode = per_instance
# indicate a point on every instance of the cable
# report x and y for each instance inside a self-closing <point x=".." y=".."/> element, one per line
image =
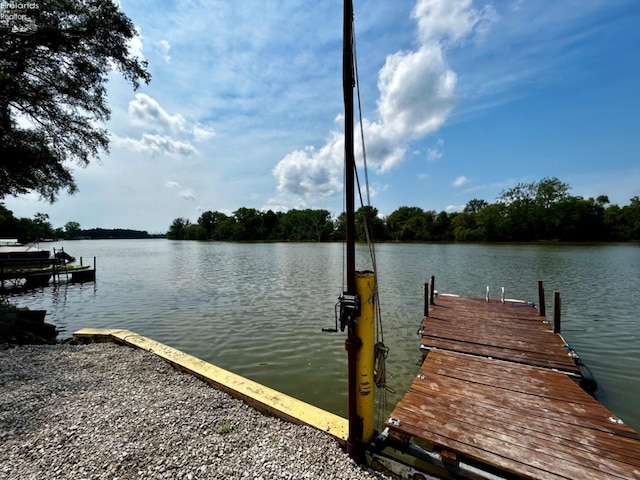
<point x="381" y="351"/>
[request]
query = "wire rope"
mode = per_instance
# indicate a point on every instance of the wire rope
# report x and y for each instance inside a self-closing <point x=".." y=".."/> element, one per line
<point x="381" y="351"/>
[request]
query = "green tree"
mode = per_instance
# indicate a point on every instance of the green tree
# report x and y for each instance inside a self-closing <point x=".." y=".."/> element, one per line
<point x="72" y="229"/>
<point x="207" y="223"/>
<point x="52" y="90"/>
<point x="442" y="230"/>
<point x="226" y="229"/>
<point x="9" y="225"/>
<point x="305" y="225"/>
<point x="248" y="224"/>
<point x="630" y="216"/>
<point x="405" y="223"/>
<point x="340" y="227"/>
<point x="493" y="223"/>
<point x="532" y="208"/>
<point x="367" y="217"/>
<point x="270" y="223"/>
<point x="194" y="231"/>
<point x="178" y="229"/>
<point x="465" y="228"/>
<point x="581" y="220"/>
<point x="42" y="228"/>
<point x="550" y="191"/>
<point x="475" y="206"/>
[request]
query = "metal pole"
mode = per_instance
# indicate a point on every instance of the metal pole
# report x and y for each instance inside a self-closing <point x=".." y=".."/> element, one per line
<point x="352" y="344"/>
<point x="349" y="159"/>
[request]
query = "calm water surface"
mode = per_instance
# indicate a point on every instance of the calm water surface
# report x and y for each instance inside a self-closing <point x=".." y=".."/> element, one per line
<point x="258" y="309"/>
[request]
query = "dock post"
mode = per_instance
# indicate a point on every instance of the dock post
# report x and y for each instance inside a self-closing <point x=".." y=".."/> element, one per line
<point x="426" y="299"/>
<point x="556" y="312"/>
<point x="432" y="290"/>
<point x="365" y="355"/>
<point x="94" y="264"/>
<point x="81" y="261"/>
<point x="541" y="306"/>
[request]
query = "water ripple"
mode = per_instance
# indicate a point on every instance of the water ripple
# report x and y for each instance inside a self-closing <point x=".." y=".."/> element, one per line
<point x="257" y="309"/>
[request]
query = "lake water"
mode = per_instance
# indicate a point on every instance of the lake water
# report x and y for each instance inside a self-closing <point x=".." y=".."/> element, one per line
<point x="258" y="309"/>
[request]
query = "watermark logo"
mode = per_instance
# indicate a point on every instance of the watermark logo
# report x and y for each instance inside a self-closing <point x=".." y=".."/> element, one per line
<point x="15" y="18"/>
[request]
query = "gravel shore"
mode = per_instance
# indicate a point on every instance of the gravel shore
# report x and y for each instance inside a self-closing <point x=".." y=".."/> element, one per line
<point x="104" y="411"/>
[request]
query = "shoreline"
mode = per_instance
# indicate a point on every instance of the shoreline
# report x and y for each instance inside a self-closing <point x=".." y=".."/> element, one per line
<point x="109" y="411"/>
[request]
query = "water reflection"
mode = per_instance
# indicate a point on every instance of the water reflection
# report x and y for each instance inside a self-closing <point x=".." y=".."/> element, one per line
<point x="257" y="309"/>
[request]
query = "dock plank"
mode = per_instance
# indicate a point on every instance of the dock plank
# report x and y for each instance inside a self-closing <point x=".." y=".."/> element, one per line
<point x="505" y="330"/>
<point x="494" y="390"/>
<point x="517" y="429"/>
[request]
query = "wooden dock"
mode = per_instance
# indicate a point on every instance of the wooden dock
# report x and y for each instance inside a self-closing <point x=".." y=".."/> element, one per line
<point x="499" y="394"/>
<point x="15" y="278"/>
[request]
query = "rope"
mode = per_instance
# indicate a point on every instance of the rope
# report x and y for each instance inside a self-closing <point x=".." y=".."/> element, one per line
<point x="381" y="351"/>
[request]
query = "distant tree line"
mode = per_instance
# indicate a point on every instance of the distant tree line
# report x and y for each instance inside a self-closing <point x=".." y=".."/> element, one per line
<point x="528" y="212"/>
<point x="27" y="230"/>
<point x="249" y="224"/>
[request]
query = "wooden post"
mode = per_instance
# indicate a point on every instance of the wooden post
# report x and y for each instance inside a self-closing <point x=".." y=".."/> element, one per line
<point x="81" y="261"/>
<point x="432" y="290"/>
<point x="426" y="299"/>
<point x="556" y="312"/>
<point x="541" y="306"/>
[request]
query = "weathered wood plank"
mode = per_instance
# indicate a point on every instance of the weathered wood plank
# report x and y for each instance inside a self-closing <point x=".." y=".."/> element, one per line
<point x="481" y="421"/>
<point x="510" y="331"/>
<point x="496" y="398"/>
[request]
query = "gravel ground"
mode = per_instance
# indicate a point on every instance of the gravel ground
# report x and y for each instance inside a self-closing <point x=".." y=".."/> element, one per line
<point x="104" y="411"/>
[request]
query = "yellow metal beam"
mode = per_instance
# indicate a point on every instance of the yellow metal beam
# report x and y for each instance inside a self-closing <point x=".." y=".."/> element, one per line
<point x="263" y="398"/>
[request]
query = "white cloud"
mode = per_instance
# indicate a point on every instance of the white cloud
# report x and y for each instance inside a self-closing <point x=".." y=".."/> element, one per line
<point x="155" y="144"/>
<point x="165" y="46"/>
<point x="312" y="173"/>
<point x="450" y="21"/>
<point x="184" y="193"/>
<point x="202" y="133"/>
<point x="454" y="208"/>
<point x="135" y="45"/>
<point x="417" y="93"/>
<point x="517" y="5"/>
<point x="147" y="112"/>
<point x="436" y="152"/>
<point x="460" y="181"/>
<point x="187" y="194"/>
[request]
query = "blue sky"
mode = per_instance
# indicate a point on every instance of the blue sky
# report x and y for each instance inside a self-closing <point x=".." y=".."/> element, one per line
<point x="461" y="99"/>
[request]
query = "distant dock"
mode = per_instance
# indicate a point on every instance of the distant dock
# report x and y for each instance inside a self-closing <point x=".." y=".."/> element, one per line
<point x="498" y="396"/>
<point x="20" y="274"/>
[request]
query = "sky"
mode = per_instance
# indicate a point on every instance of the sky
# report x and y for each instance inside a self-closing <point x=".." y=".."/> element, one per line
<point x="461" y="99"/>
